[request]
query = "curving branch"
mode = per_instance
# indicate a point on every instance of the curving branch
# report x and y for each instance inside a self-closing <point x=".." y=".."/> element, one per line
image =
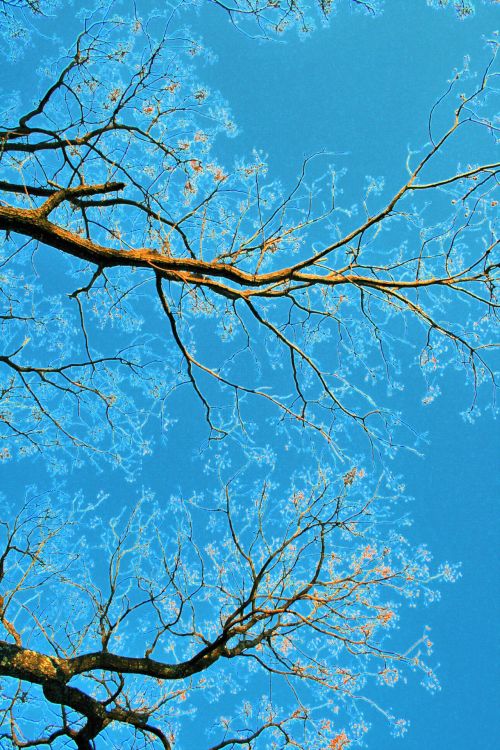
<point x="271" y="596"/>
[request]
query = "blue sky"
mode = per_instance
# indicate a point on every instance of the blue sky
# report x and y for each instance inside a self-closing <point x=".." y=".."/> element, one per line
<point x="361" y="89"/>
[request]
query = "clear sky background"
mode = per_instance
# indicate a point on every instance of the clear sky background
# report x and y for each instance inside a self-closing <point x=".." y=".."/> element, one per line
<point x="362" y="89"/>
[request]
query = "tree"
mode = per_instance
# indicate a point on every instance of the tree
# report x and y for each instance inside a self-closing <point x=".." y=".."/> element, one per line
<point x="164" y="216"/>
<point x="280" y="603"/>
<point x="129" y="250"/>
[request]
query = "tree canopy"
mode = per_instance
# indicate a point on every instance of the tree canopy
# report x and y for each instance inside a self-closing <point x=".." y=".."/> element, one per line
<point x="140" y="269"/>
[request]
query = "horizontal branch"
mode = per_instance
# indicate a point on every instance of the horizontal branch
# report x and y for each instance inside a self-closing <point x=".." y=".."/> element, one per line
<point x="34" y="224"/>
